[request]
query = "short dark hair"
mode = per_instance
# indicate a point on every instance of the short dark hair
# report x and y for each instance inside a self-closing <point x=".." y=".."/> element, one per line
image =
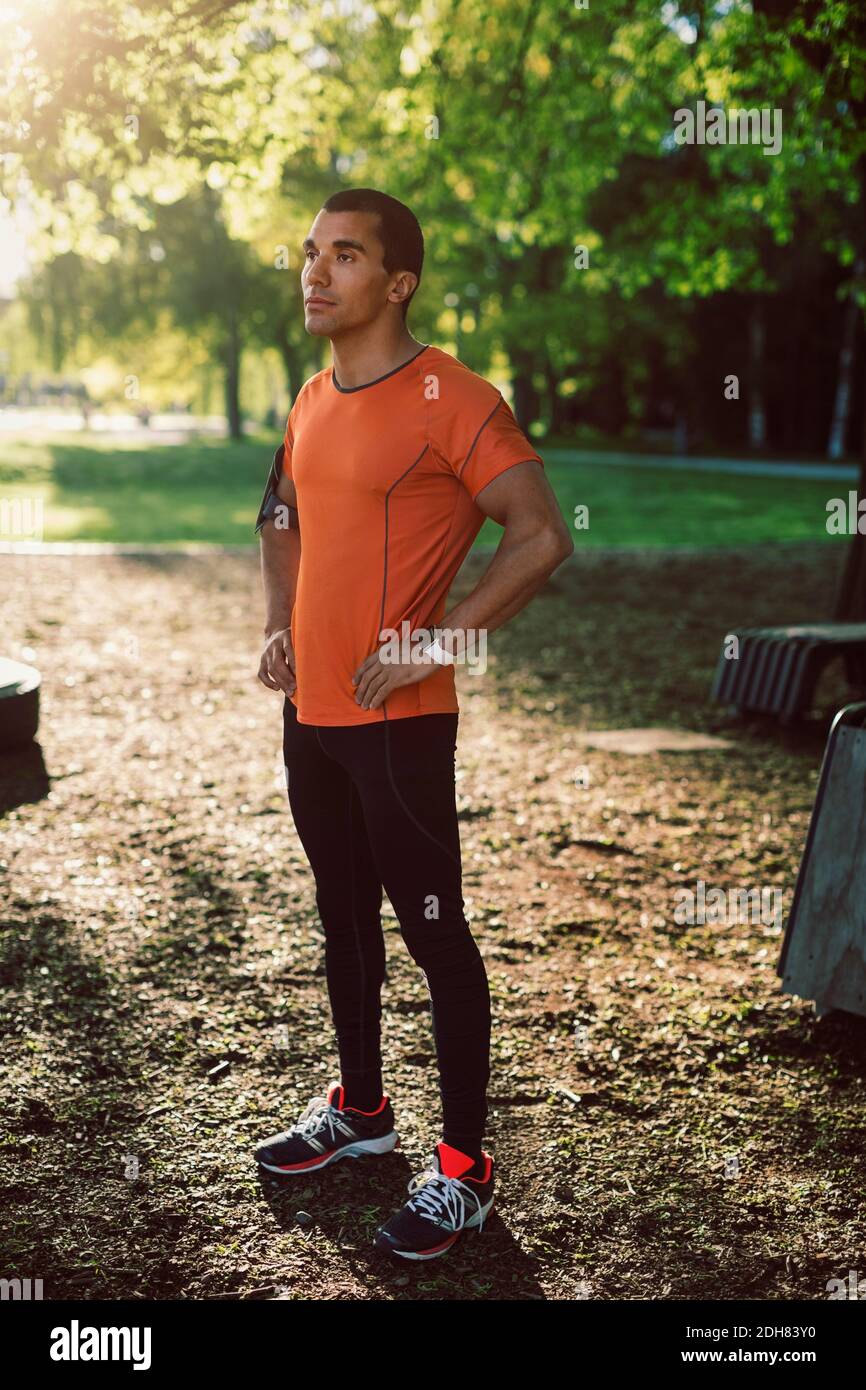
<point x="399" y="229"/>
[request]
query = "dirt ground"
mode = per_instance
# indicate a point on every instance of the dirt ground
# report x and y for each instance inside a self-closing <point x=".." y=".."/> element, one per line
<point x="667" y="1123"/>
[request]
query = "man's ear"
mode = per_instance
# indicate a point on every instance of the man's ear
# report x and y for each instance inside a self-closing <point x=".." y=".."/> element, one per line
<point x="406" y="283"/>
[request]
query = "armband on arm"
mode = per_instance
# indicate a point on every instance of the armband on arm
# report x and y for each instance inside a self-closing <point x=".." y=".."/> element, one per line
<point x="271" y="502"/>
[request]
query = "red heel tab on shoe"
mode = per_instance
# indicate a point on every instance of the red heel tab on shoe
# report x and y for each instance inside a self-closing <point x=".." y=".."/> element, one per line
<point x="452" y="1162"/>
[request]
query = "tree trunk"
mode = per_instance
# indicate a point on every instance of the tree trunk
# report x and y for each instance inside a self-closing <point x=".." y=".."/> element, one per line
<point x="555" y="402"/>
<point x="525" y="394"/>
<point x="851" y="594"/>
<point x="757" y="345"/>
<point x="842" y="403"/>
<point x="233" y="375"/>
<point x="292" y="367"/>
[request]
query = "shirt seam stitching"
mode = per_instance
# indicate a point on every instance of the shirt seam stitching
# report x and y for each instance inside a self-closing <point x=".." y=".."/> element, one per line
<point x="479" y="434"/>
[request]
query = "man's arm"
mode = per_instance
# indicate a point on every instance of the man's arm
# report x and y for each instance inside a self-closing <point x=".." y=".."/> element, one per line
<point x="280" y="558"/>
<point x="536" y="540"/>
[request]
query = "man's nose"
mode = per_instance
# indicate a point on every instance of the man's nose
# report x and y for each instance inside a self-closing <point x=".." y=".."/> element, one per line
<point x="317" y="272"/>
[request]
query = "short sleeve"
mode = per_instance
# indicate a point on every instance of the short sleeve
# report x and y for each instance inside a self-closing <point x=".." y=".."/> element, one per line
<point x="289" y="444"/>
<point x="292" y="425"/>
<point x="498" y="445"/>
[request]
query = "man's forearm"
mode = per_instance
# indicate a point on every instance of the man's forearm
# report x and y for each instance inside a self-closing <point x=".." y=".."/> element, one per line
<point x="281" y="558"/>
<point x="517" y="571"/>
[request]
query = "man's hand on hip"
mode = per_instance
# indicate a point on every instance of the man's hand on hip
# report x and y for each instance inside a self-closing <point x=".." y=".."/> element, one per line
<point x="375" y="680"/>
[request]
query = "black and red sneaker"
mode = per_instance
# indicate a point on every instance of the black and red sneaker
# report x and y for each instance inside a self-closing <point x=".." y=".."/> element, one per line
<point x="329" y="1130"/>
<point x="445" y="1201"/>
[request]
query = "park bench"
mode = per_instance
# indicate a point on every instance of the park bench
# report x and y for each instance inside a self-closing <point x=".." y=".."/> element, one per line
<point x="823" y="956"/>
<point x="777" y="668"/>
<point x="19" y="704"/>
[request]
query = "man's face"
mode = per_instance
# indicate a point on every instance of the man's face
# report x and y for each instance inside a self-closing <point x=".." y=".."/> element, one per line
<point x="344" y="283"/>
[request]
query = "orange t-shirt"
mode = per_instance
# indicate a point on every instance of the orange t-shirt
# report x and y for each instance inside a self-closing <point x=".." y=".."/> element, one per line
<point x="386" y="475"/>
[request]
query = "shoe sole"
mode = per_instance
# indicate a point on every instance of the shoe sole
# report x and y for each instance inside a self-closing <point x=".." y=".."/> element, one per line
<point x="381" y="1241"/>
<point x="359" y="1149"/>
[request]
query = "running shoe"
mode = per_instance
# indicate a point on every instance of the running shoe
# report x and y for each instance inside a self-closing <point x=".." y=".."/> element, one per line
<point x="329" y="1130"/>
<point x="443" y="1204"/>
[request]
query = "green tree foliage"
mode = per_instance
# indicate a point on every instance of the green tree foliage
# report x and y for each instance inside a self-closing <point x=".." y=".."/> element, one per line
<point x="616" y="275"/>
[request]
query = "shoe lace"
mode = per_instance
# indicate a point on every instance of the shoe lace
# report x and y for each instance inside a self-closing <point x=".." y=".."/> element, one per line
<point x="438" y="1196"/>
<point x="319" y="1116"/>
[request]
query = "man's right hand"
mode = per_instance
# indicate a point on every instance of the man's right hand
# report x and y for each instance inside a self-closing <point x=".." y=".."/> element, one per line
<point x="277" y="665"/>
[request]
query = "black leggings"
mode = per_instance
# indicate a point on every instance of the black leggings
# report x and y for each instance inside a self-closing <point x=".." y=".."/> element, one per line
<point x="374" y="805"/>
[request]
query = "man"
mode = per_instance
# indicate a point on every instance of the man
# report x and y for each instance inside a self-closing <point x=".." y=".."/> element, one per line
<point x="391" y="460"/>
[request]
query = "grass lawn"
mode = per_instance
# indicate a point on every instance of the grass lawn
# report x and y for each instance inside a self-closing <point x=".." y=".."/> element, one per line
<point x="210" y="491"/>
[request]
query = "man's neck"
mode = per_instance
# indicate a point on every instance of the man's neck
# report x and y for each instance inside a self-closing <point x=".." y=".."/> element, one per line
<point x="363" y="355"/>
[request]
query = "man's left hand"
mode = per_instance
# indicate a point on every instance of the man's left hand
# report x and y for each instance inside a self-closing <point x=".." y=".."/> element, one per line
<point x="375" y="680"/>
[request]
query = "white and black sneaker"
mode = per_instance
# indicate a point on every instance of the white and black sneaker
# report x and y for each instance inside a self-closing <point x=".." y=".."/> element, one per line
<point x="329" y="1130"/>
<point x="446" y="1200"/>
